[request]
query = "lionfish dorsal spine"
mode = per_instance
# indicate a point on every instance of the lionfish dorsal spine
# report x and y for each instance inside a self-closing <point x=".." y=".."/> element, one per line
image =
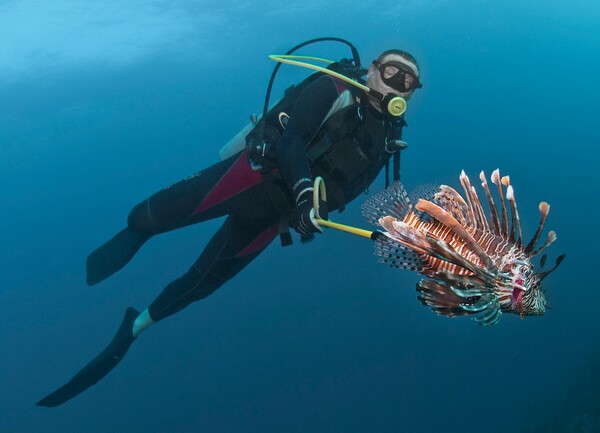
<point x="495" y="221"/>
<point x="544" y="210"/>
<point x="445" y="218"/>
<point x="549" y="240"/>
<point x="453" y="202"/>
<point x="480" y="212"/>
<point x="512" y="232"/>
<point x="474" y="203"/>
<point x="464" y="181"/>
<point x="514" y="212"/>
<point x="496" y="181"/>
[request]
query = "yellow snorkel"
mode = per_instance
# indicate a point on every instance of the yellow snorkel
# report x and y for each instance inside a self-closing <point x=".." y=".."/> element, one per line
<point x="396" y="105"/>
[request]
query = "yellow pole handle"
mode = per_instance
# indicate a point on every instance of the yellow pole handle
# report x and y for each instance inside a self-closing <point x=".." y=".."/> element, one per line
<point x="319" y="192"/>
<point x="345" y="228"/>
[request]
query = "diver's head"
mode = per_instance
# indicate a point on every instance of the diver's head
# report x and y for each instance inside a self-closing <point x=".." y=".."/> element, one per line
<point x="395" y="72"/>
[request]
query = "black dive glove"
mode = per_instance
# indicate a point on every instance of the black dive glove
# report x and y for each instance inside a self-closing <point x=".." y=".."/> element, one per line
<point x="303" y="219"/>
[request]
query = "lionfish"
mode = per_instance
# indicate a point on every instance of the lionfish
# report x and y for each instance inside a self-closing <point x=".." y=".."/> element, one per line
<point x="475" y="267"/>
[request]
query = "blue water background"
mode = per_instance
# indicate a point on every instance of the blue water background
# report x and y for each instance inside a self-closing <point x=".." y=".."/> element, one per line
<point x="103" y="104"/>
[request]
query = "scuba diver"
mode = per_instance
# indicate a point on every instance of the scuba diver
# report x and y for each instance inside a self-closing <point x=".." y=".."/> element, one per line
<point x="334" y="124"/>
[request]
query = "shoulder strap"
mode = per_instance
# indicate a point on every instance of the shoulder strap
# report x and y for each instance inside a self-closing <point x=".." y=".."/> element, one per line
<point x="335" y="127"/>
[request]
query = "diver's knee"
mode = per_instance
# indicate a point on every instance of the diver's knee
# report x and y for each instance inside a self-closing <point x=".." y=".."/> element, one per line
<point x="140" y="219"/>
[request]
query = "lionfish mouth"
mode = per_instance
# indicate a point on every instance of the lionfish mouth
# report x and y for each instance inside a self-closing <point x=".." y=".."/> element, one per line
<point x="476" y="265"/>
<point x="516" y="301"/>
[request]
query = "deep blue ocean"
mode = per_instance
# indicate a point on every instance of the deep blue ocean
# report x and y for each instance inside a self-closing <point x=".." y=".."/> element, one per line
<point x="103" y="104"/>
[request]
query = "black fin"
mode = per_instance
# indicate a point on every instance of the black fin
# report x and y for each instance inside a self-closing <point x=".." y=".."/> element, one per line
<point x="99" y="367"/>
<point x="113" y="255"/>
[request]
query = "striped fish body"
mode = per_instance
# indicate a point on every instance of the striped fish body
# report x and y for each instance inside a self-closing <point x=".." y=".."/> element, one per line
<point x="476" y="265"/>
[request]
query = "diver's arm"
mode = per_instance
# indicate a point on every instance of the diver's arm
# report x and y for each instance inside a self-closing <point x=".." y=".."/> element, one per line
<point x="308" y="114"/>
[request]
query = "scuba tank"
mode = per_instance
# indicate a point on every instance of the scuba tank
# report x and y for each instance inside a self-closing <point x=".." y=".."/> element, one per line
<point x="261" y="133"/>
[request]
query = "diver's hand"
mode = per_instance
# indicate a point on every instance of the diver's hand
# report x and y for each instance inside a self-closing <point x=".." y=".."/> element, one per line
<point x="303" y="219"/>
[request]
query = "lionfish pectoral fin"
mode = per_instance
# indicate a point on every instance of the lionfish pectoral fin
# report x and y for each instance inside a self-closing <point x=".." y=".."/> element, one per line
<point x="387" y="222"/>
<point x="469" y="293"/>
<point x="393" y="253"/>
<point x="481" y="304"/>
<point x="489" y="317"/>
<point x="407" y="235"/>
<point x="440" y="299"/>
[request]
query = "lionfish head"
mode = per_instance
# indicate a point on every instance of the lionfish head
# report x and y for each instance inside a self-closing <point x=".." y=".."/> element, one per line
<point x="528" y="298"/>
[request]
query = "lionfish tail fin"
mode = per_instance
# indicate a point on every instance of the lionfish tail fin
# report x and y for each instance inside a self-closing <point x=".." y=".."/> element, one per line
<point x="393" y="201"/>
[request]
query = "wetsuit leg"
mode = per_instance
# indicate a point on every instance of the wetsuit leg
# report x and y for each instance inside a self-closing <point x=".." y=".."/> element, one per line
<point x="233" y="247"/>
<point x="199" y="197"/>
<point x="252" y="225"/>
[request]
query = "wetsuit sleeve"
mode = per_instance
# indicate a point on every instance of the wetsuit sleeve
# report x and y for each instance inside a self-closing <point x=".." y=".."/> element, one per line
<point x="308" y="114"/>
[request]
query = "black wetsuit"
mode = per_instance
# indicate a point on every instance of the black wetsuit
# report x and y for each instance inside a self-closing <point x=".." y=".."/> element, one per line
<point x="348" y="150"/>
<point x="232" y="188"/>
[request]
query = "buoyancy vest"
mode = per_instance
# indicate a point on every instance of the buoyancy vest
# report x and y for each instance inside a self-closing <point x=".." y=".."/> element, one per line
<point x="350" y="149"/>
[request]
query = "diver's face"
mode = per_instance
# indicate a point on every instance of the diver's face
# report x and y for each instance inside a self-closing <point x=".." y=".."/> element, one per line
<point x="375" y="80"/>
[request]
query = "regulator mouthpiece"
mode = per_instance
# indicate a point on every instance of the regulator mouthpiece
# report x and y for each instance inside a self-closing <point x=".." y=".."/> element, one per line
<point x="396" y="105"/>
<point x="391" y="104"/>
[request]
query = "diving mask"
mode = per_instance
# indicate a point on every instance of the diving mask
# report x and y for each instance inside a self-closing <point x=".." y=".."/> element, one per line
<point x="397" y="76"/>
